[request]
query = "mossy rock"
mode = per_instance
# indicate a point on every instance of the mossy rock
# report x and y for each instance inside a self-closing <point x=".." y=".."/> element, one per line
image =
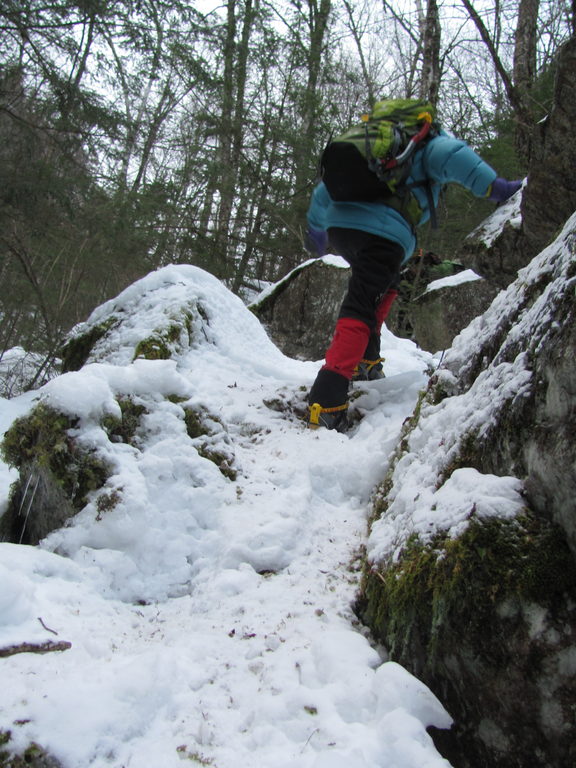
<point x="163" y="343"/>
<point x="123" y="429"/>
<point x="152" y="348"/>
<point x="76" y="351"/>
<point x="483" y="619"/>
<point x="464" y="579"/>
<point x="199" y="424"/>
<point x="56" y="474"/>
<point x="33" y="756"/>
<point x="195" y="423"/>
<point x="222" y="461"/>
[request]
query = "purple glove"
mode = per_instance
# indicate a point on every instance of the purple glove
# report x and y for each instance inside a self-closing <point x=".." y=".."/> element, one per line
<point x="501" y="189"/>
<point x="316" y="241"/>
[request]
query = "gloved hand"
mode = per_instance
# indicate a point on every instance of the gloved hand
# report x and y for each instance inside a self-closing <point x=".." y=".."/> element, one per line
<point x="501" y="189"/>
<point x="316" y="241"/>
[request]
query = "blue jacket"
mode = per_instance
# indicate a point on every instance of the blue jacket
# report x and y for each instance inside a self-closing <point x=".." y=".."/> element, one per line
<point x="442" y="160"/>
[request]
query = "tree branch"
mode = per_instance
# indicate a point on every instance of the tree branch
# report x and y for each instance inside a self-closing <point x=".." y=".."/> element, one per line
<point x="514" y="97"/>
<point x="46" y="647"/>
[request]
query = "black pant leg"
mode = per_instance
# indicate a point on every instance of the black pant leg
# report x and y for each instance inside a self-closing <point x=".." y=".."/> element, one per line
<point x="374" y="262"/>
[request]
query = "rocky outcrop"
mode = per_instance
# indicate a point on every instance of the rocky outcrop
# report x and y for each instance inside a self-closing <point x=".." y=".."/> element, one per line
<point x="470" y="579"/>
<point x="301" y="310"/>
<point x="493" y="249"/>
<point x="549" y="195"/>
<point x="446" y="308"/>
<point x="62" y="468"/>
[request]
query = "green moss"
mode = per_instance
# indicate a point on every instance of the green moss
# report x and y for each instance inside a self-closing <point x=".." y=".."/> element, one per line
<point x="152" y="348"/>
<point x="198" y="422"/>
<point x="195" y="426"/>
<point x="460" y="582"/>
<point x="176" y="399"/>
<point x="162" y="344"/>
<point x="43" y="431"/>
<point x="43" y="437"/>
<point x="5" y="737"/>
<point x="220" y="459"/>
<point x="33" y="755"/>
<point x="124" y="429"/>
<point x="76" y="351"/>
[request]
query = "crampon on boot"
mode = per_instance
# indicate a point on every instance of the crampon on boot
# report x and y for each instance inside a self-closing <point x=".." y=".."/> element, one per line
<point x="369" y="370"/>
<point x="328" y="401"/>
<point x="329" y="418"/>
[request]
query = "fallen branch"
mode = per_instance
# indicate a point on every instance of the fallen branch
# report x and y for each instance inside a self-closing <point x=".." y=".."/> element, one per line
<point x="45" y="627"/>
<point x="46" y="647"/>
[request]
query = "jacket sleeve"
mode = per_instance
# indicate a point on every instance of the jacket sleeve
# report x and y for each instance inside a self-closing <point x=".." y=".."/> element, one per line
<point x="449" y="160"/>
<point x="318" y="205"/>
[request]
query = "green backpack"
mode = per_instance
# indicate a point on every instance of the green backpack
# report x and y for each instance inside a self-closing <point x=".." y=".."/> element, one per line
<point x="371" y="161"/>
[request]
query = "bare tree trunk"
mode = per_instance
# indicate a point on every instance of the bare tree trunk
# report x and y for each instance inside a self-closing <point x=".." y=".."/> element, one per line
<point x="430" y="80"/>
<point x="232" y="126"/>
<point x="353" y="25"/>
<point x="414" y="34"/>
<point x="525" y="67"/>
<point x="499" y="97"/>
<point x="516" y="96"/>
<point x="318" y="25"/>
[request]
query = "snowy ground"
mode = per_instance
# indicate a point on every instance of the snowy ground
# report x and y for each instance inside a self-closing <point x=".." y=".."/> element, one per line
<point x="210" y="620"/>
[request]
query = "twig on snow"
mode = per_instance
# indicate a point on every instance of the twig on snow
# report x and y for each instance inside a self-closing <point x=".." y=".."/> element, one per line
<point x="46" y="647"/>
<point x="45" y="627"/>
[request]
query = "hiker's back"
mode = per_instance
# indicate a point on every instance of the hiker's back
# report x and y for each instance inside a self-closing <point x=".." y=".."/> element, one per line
<point x="371" y="161"/>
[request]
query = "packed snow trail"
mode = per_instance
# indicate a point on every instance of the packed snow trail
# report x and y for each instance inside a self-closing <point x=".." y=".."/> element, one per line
<point x="211" y="618"/>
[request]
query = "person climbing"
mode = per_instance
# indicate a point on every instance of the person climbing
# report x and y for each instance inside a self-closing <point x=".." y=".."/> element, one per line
<point x="373" y="229"/>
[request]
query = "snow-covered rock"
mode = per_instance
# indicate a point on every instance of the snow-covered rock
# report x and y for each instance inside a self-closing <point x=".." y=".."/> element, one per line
<point x="471" y="578"/>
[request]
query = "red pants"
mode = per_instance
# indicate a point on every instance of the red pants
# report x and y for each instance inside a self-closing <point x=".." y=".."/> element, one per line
<point x="354" y="341"/>
<point x="375" y="264"/>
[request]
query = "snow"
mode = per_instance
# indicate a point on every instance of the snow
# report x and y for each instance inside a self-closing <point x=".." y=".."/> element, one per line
<point x="210" y="618"/>
<point x="508" y="213"/>
<point x="466" y="276"/>
<point x="422" y="501"/>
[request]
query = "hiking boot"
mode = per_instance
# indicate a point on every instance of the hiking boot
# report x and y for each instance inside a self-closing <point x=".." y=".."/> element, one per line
<point x="369" y="370"/>
<point x="329" y="418"/>
<point x="328" y="401"/>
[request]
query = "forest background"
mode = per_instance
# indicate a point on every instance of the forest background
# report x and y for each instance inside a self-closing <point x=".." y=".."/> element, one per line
<point x="138" y="133"/>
